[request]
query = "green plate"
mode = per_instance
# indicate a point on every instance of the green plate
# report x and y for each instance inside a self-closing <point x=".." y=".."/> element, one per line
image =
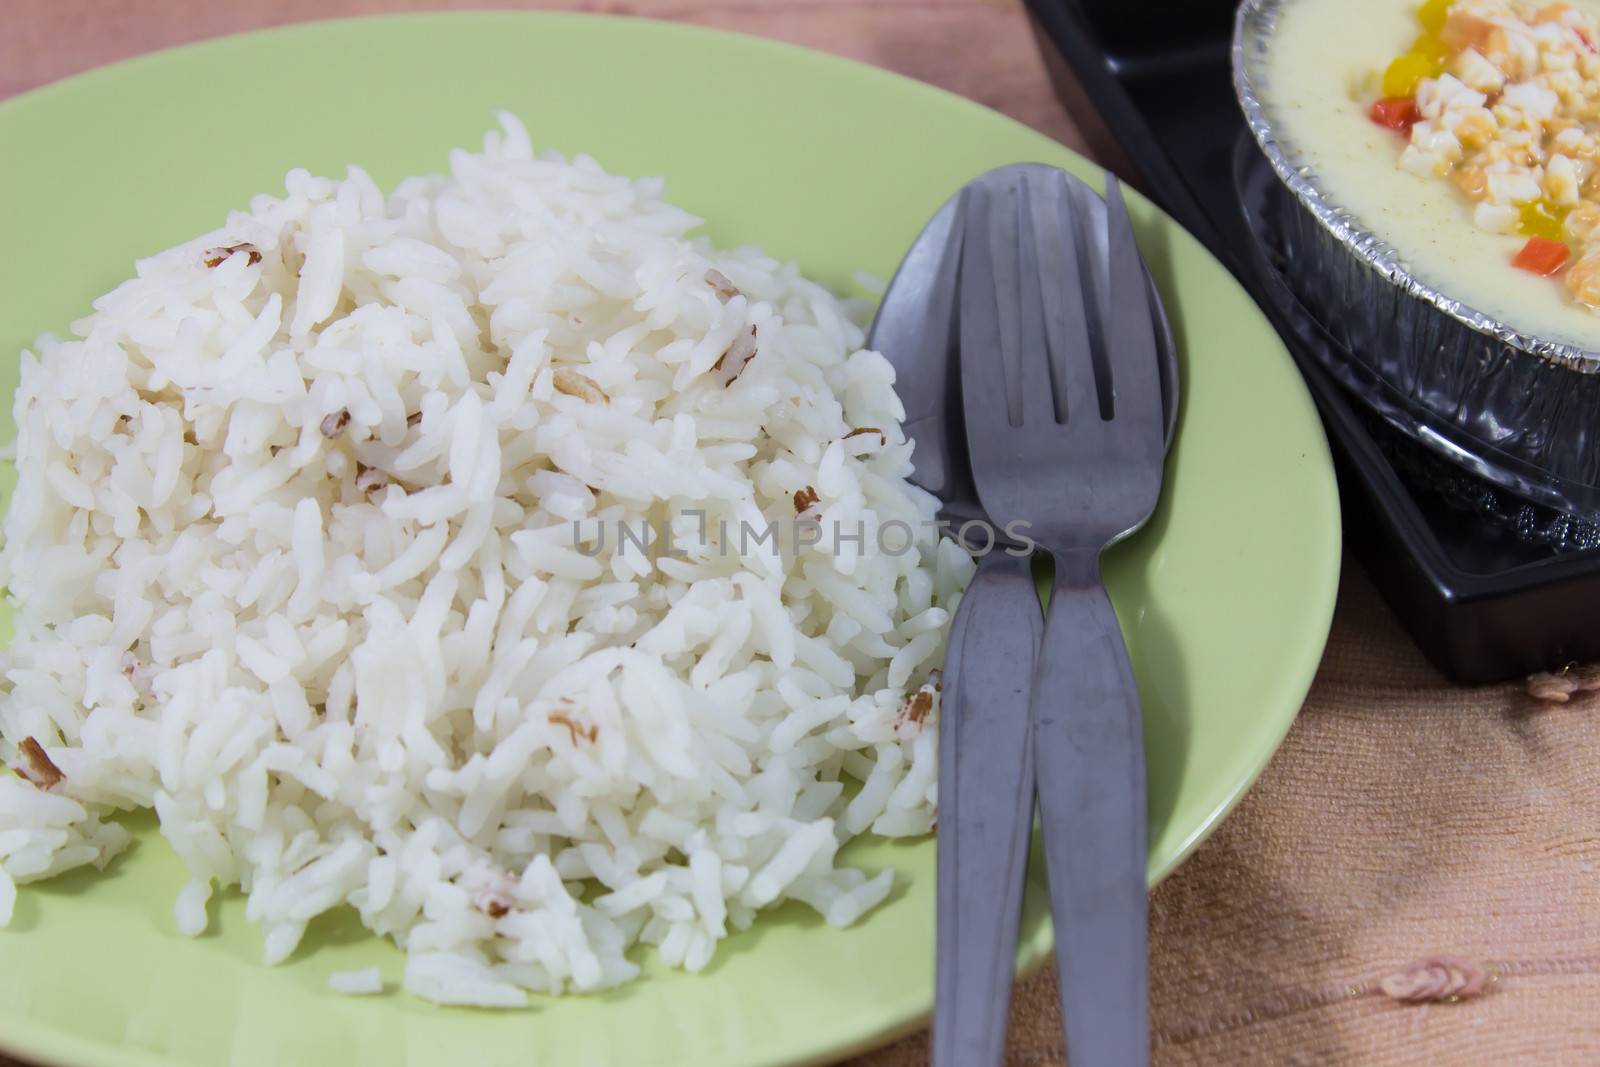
<point x="1226" y="596"/>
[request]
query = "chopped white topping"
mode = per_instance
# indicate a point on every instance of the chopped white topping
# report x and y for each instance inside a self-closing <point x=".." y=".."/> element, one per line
<point x="1496" y="218"/>
<point x="1534" y="101"/>
<point x="1424" y="163"/>
<point x="1515" y="124"/>
<point x="1478" y="72"/>
<point x="1439" y="95"/>
<point x="1513" y="188"/>
<point x="1561" y="181"/>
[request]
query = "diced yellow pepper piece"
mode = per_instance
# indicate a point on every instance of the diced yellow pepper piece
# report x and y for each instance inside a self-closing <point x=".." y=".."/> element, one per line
<point x="1405" y="72"/>
<point x="1541" y="218"/>
<point x="1433" y="47"/>
<point x="1433" y="13"/>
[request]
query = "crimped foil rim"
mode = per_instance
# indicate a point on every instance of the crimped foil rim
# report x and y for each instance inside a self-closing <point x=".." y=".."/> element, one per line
<point x="1252" y="31"/>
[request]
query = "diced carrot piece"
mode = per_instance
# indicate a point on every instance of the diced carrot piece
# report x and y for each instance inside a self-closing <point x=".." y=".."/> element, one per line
<point x="1542" y="256"/>
<point x="1396" y="113"/>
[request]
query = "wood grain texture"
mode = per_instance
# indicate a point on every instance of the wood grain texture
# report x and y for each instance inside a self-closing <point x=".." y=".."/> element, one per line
<point x="981" y="49"/>
<point x="1402" y="817"/>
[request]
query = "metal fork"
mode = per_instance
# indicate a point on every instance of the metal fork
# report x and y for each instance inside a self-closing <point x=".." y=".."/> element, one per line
<point x="1064" y="420"/>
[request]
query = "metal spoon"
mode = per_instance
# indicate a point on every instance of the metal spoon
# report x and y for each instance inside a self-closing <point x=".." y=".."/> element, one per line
<point x="986" y="767"/>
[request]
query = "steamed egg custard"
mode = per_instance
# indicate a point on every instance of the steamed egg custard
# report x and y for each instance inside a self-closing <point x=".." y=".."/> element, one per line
<point x="1465" y="135"/>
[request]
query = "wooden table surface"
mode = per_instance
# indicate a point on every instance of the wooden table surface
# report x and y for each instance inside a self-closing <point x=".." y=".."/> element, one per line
<point x="1403" y="815"/>
<point x="981" y="49"/>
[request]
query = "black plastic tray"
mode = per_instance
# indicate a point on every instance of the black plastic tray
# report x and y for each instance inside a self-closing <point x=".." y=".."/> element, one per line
<point x="1489" y="587"/>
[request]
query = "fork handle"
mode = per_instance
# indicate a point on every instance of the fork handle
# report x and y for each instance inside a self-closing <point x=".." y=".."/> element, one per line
<point x="1090" y="773"/>
<point x="985" y="809"/>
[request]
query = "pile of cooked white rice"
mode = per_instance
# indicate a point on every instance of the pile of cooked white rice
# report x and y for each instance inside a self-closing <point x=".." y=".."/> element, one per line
<point x="317" y="550"/>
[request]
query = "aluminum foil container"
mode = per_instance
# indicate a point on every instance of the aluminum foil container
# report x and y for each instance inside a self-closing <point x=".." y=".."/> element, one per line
<point x="1520" y="410"/>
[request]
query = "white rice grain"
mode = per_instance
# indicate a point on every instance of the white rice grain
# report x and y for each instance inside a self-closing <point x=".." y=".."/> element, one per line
<point x="360" y="983"/>
<point x="427" y="555"/>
